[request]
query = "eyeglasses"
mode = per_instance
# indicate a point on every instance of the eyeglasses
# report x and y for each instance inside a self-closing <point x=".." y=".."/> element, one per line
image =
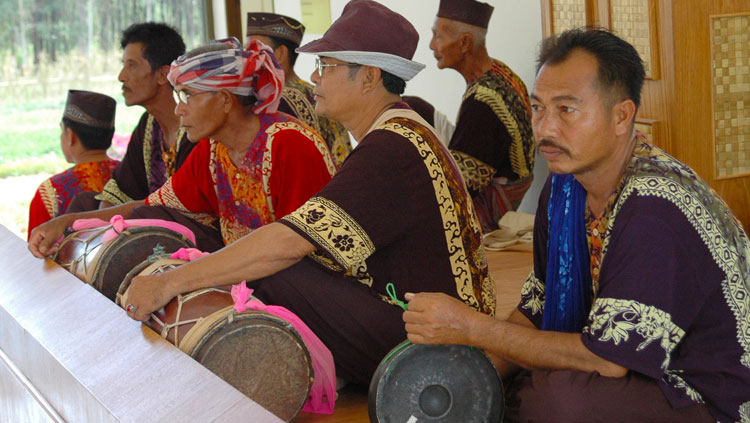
<point x="183" y="96"/>
<point x="320" y="65"/>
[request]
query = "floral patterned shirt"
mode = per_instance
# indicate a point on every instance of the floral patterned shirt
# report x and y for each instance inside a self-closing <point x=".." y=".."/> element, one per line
<point x="673" y="301"/>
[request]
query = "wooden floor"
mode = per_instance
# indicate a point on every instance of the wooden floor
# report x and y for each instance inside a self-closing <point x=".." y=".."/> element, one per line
<point x="509" y="270"/>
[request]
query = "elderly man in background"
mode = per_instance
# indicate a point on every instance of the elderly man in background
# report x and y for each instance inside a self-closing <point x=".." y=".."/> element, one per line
<point x="284" y="34"/>
<point x="253" y="165"/>
<point x="396" y="213"/>
<point x="637" y="306"/>
<point x="86" y="130"/>
<point x="492" y="143"/>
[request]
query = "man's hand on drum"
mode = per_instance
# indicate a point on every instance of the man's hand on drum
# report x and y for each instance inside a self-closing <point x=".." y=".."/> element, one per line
<point x="42" y="240"/>
<point x="437" y="318"/>
<point x="148" y="294"/>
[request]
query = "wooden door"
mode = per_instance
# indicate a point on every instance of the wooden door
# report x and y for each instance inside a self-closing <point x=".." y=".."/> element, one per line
<point x="711" y="130"/>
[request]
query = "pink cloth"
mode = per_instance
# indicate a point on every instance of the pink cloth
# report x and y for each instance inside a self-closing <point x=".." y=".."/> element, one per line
<point x="119" y="224"/>
<point x="323" y="391"/>
<point x="188" y="254"/>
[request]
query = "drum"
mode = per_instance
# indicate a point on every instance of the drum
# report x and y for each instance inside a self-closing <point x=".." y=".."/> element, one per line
<point x="436" y="383"/>
<point x="258" y="353"/>
<point x="104" y="266"/>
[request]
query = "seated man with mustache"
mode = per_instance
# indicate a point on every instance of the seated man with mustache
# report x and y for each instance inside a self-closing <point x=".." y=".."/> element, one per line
<point x="253" y="166"/>
<point x="636" y="309"/>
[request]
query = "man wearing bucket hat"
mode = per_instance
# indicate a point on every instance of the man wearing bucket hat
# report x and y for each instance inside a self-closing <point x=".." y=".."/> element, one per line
<point x="252" y="165"/>
<point x="395" y="218"/>
<point x="283" y="34"/>
<point x="492" y="143"/>
<point x="87" y="126"/>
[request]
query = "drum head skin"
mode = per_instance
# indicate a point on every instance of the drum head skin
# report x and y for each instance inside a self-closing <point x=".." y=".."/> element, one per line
<point x="130" y="248"/>
<point x="436" y="383"/>
<point x="263" y="357"/>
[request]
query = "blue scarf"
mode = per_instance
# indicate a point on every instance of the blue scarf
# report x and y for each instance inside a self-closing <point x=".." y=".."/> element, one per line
<point x="568" y="283"/>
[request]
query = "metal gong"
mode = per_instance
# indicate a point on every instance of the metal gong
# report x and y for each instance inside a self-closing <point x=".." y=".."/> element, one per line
<point x="435" y="383"/>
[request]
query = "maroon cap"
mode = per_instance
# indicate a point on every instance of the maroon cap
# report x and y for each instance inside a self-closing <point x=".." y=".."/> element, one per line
<point x="273" y="25"/>
<point x="90" y="109"/>
<point x="471" y="12"/>
<point x="369" y="33"/>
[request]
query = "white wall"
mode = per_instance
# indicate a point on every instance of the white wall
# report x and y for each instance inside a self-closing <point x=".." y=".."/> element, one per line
<point x="513" y="37"/>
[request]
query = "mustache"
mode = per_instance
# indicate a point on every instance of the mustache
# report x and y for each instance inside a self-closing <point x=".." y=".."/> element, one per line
<point x="549" y="142"/>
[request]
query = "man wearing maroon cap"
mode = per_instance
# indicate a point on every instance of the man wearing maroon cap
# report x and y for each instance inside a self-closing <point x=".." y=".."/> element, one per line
<point x="87" y="126"/>
<point x="284" y="34"/>
<point x="397" y="213"/>
<point x="493" y="142"/>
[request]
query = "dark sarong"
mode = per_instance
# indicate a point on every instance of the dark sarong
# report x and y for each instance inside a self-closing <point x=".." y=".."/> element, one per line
<point x="350" y="318"/>
<point x="83" y="201"/>
<point x="571" y="396"/>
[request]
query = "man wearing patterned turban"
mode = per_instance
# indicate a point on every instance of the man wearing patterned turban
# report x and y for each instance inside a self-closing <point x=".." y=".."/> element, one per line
<point x="252" y="165"/>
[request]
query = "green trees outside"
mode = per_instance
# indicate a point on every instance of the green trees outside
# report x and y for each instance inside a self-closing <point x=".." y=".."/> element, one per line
<point x="40" y="30"/>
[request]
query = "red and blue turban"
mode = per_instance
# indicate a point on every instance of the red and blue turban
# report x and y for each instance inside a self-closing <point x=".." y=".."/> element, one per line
<point x="251" y="72"/>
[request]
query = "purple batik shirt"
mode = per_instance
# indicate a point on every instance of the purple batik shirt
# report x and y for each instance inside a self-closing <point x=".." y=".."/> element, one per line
<point x="672" y="295"/>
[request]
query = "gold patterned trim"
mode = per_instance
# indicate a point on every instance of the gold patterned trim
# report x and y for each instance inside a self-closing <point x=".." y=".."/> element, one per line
<point x="477" y="174"/>
<point x="48" y="193"/>
<point x="497" y="104"/>
<point x="147" y="140"/>
<point x="456" y="250"/>
<point x="303" y="109"/>
<point x="166" y="196"/>
<point x="615" y="319"/>
<point x="112" y="193"/>
<point x="334" y="230"/>
<point x="532" y="294"/>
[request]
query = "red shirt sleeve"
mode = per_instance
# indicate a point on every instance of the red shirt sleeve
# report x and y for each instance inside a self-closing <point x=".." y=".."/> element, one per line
<point x="38" y="213"/>
<point x="299" y="170"/>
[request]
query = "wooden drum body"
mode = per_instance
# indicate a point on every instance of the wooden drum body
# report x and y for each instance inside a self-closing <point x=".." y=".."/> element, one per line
<point x="104" y="266"/>
<point x="258" y="353"/>
<point x="436" y="383"/>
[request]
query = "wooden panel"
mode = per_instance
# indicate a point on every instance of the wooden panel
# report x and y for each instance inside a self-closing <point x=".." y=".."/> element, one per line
<point x="91" y="362"/>
<point x="658" y="98"/>
<point x="234" y="19"/>
<point x="567" y="14"/>
<point x="730" y="65"/>
<point x="636" y="22"/>
<point x="693" y="127"/>
<point x="649" y="128"/>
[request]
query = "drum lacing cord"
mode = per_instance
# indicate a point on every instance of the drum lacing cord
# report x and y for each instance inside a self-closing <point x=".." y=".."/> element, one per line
<point x="73" y="265"/>
<point x="176" y="325"/>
